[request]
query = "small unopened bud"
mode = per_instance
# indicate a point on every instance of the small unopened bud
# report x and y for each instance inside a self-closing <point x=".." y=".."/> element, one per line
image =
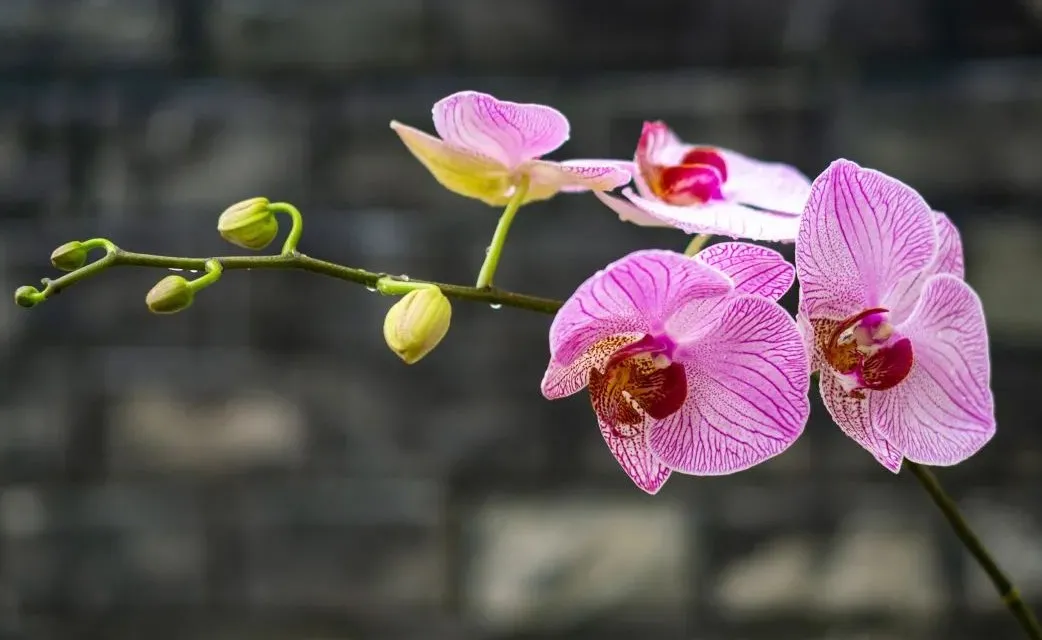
<point x="27" y="297"/>
<point x="170" y="295"/>
<point x="417" y="323"/>
<point x="70" y="256"/>
<point x="249" y="224"/>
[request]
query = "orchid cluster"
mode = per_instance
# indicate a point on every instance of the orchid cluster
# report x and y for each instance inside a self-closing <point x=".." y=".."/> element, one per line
<point x="691" y="364"/>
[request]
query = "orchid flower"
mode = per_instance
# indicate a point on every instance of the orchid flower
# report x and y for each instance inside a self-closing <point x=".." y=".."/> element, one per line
<point x="690" y="363"/>
<point x="899" y="338"/>
<point x="702" y="189"/>
<point x="487" y="148"/>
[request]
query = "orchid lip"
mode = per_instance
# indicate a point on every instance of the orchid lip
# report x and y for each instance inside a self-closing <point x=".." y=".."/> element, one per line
<point x="868" y="353"/>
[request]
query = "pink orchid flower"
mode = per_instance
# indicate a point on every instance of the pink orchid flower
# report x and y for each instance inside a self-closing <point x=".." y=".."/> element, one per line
<point x="899" y="338"/>
<point x="486" y="146"/>
<point x="701" y="189"/>
<point x="690" y="363"/>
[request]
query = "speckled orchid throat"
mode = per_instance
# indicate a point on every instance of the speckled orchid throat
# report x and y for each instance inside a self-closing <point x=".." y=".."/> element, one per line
<point x="866" y="350"/>
<point x="639" y="380"/>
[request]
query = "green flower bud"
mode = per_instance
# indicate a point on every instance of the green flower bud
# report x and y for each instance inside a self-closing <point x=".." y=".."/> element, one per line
<point x="70" y="256"/>
<point x="417" y="323"/>
<point x="250" y="224"/>
<point x="27" y="297"/>
<point x="170" y="295"/>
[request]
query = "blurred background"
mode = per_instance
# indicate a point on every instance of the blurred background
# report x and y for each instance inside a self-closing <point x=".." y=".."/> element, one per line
<point x="261" y="467"/>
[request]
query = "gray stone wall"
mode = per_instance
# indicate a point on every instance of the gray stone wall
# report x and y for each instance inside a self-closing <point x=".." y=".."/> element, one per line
<point x="262" y="468"/>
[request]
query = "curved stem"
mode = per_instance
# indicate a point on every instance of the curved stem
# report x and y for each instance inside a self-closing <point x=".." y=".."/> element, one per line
<point x="499" y="238"/>
<point x="697" y="243"/>
<point x="295" y="231"/>
<point x="1007" y="591"/>
<point x="213" y="274"/>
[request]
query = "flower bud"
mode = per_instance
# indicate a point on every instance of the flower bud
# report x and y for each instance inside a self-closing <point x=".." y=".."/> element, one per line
<point x="70" y="256"/>
<point x="170" y="295"/>
<point x="250" y="224"/>
<point x="417" y="323"/>
<point x="27" y="297"/>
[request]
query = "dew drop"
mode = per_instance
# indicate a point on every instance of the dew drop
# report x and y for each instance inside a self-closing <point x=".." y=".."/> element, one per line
<point x="495" y="306"/>
<point x="403" y="278"/>
<point x="488" y="250"/>
<point x="371" y="289"/>
<point x="176" y="270"/>
<point x="193" y="271"/>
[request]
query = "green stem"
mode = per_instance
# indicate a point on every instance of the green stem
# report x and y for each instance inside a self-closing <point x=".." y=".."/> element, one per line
<point x="213" y="274"/>
<point x="697" y="243"/>
<point x="391" y="286"/>
<point x="499" y="238"/>
<point x="30" y="296"/>
<point x="296" y="230"/>
<point x="1007" y="591"/>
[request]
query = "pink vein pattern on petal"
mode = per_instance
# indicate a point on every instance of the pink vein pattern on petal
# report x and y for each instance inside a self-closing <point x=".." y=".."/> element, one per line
<point x="747" y="400"/>
<point x="861" y="232"/>
<point x="564" y="380"/>
<point x="721" y="218"/>
<point x="852" y="416"/>
<point x="636" y="459"/>
<point x="753" y="269"/>
<point x="634" y="294"/>
<point x="767" y="185"/>
<point x="629" y="212"/>
<point x="508" y="131"/>
<point x="948" y="259"/>
<point x="577" y="175"/>
<point x="943" y="412"/>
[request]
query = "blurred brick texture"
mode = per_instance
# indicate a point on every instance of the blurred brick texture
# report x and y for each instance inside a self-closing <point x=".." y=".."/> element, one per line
<point x="262" y="468"/>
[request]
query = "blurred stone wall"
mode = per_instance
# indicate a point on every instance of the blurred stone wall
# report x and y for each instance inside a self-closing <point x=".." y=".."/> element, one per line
<point x="262" y="468"/>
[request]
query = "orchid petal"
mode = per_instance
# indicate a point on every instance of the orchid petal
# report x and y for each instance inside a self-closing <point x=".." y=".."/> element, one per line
<point x="510" y="132"/>
<point x="721" y="218"/>
<point x="565" y="380"/>
<point x="659" y="145"/>
<point x="463" y="172"/>
<point x="860" y="234"/>
<point x="853" y="416"/>
<point x="766" y="185"/>
<point x="748" y="392"/>
<point x="943" y="412"/>
<point x="949" y="259"/>
<point x="753" y="269"/>
<point x="635" y="294"/>
<point x="629" y="212"/>
<point x="636" y="459"/>
<point x="573" y="176"/>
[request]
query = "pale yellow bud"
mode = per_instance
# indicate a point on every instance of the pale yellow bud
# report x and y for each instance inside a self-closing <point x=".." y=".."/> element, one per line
<point x="170" y="295"/>
<point x="70" y="256"/>
<point x="417" y="323"/>
<point x="249" y="224"/>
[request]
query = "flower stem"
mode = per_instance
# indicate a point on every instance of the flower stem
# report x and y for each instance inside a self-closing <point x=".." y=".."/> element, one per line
<point x="393" y="285"/>
<point x="1007" y="591"/>
<point x="499" y="238"/>
<point x="697" y="243"/>
<point x="296" y="230"/>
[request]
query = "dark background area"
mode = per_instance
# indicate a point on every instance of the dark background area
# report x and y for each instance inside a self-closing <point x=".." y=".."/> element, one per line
<point x="261" y="467"/>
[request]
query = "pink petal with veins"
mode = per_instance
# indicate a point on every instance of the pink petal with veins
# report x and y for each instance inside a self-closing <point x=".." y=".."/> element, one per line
<point x="853" y="417"/>
<point x="747" y="401"/>
<point x="510" y="132"/>
<point x="948" y="259"/>
<point x="635" y="294"/>
<point x="860" y="234"/>
<point x="943" y="412"/>
<point x="753" y="269"/>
